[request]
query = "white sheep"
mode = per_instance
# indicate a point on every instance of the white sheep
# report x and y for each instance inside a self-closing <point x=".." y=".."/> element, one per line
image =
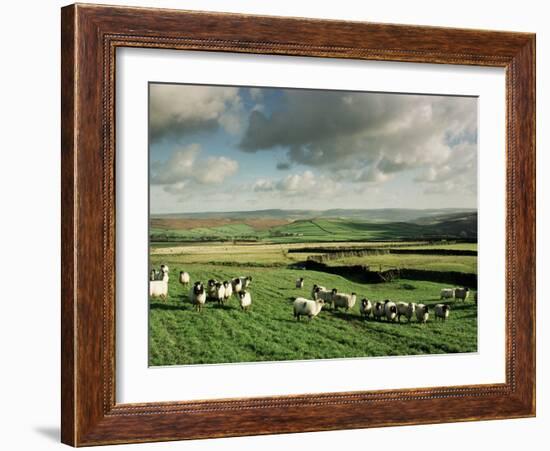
<point x="153" y="275"/>
<point x="322" y="293"/>
<point x="245" y="300"/>
<point x="343" y="300"/>
<point x="307" y="307"/>
<point x="442" y="311"/>
<point x="462" y="293"/>
<point x="447" y="293"/>
<point x="422" y="313"/>
<point x="300" y="282"/>
<point x="405" y="309"/>
<point x="237" y="285"/>
<point x="228" y="291"/>
<point x="197" y="295"/>
<point x="378" y="310"/>
<point x="159" y="288"/>
<point x="184" y="278"/>
<point x="220" y="293"/>
<point x="390" y="310"/>
<point x="365" y="308"/>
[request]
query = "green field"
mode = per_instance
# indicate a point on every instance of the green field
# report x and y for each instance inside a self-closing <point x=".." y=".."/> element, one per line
<point x="180" y="335"/>
<point x="267" y="250"/>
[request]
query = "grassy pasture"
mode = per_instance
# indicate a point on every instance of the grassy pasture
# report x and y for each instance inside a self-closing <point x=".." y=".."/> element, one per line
<point x="180" y="335"/>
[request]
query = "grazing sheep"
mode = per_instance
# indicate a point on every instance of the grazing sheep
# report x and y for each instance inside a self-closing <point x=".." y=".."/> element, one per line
<point x="390" y="309"/>
<point x="153" y="275"/>
<point x="365" y="308"/>
<point x="422" y="313"/>
<point x="378" y="310"/>
<point x="184" y="278"/>
<point x="228" y="291"/>
<point x="405" y="309"/>
<point x="442" y="311"/>
<point x="343" y="300"/>
<point x="211" y="290"/>
<point x="220" y="293"/>
<point x="159" y="288"/>
<point x="307" y="307"/>
<point x="237" y="285"/>
<point x="314" y="290"/>
<point x="462" y="293"/>
<point x="245" y="299"/>
<point x="245" y="281"/>
<point x="447" y="293"/>
<point x="322" y="293"/>
<point x="300" y="282"/>
<point x="198" y="296"/>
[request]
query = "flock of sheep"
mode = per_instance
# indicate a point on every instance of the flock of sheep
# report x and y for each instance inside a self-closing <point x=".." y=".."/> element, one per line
<point x="221" y="292"/>
<point x="214" y="290"/>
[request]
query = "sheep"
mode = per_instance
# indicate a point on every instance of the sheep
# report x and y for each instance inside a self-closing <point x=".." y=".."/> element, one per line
<point x="300" y="282"/>
<point x="197" y="295"/>
<point x="184" y="278"/>
<point x="153" y="275"/>
<point x="159" y="288"/>
<point x="245" y="300"/>
<point x="390" y="309"/>
<point x="405" y="309"/>
<point x="343" y="300"/>
<point x="378" y="310"/>
<point x="442" y="311"/>
<point x="228" y="291"/>
<point x="422" y="313"/>
<point x="314" y="290"/>
<point x="322" y="293"/>
<point x="447" y="293"/>
<point x="211" y="290"/>
<point x="462" y="293"/>
<point x="307" y="307"/>
<point x="365" y="308"/>
<point x="245" y="281"/>
<point x="236" y="285"/>
<point x="220" y="293"/>
<point x="164" y="272"/>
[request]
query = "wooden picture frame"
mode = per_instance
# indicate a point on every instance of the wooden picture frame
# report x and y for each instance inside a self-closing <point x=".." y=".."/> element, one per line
<point x="90" y="36"/>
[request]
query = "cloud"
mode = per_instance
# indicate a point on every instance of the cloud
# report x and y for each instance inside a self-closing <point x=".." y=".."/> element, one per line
<point x="178" y="110"/>
<point x="184" y="169"/>
<point x="365" y="137"/>
<point x="305" y="184"/>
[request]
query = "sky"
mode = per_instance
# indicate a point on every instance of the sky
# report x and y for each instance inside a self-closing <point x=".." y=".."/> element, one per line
<point x="230" y="148"/>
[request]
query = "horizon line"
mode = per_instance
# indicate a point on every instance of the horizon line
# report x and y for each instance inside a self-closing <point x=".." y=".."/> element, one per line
<point x="308" y="209"/>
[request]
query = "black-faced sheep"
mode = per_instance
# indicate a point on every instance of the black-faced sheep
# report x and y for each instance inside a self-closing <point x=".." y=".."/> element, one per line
<point x="442" y="311"/>
<point x="365" y="308"/>
<point x="300" y="282"/>
<point x="390" y="310"/>
<point x="245" y="299"/>
<point x="422" y="313"/>
<point x="198" y="295"/>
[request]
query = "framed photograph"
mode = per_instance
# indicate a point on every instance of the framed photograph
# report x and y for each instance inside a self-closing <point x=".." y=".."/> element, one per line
<point x="278" y="225"/>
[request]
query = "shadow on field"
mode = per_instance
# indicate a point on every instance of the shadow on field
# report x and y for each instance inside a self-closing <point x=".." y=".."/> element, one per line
<point x="346" y="316"/>
<point x="159" y="306"/>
